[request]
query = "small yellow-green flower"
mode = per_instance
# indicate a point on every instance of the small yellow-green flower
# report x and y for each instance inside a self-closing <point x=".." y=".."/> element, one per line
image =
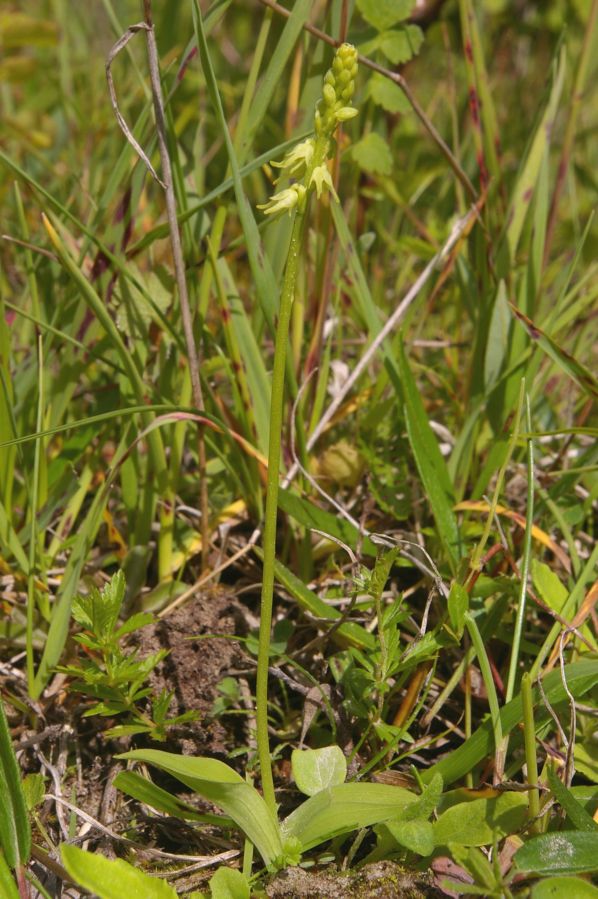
<point x="299" y="158"/>
<point x="321" y="179"/>
<point x="284" y="200"/>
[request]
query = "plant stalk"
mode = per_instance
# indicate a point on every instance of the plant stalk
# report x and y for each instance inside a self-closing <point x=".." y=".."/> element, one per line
<point x="531" y="761"/>
<point x="270" y="520"/>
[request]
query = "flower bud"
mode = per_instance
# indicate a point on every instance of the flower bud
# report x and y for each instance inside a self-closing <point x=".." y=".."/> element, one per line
<point x="329" y="95"/>
<point x="345" y="113"/>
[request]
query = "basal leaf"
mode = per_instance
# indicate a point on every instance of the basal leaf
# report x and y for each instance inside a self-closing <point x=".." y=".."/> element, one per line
<point x="343" y="809"/>
<point x="221" y="785"/>
<point x="112" y="879"/>
<point x="145" y="791"/>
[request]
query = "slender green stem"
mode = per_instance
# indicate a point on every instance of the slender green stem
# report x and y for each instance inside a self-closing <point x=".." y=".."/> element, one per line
<point x="31" y="601"/>
<point x="269" y="543"/>
<point x="529" y="736"/>
<point x="478" y="644"/>
<point x="525" y="564"/>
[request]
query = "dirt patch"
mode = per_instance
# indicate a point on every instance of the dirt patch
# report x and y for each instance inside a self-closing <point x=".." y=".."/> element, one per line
<point x="382" y="880"/>
<point x="197" y="663"/>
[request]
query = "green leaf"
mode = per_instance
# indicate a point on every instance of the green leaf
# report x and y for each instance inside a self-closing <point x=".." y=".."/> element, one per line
<point x="581" y="677"/>
<point x="568" y="363"/>
<point x="387" y="94"/>
<point x="227" y="883"/>
<point x="345" y="808"/>
<point x="548" y="585"/>
<point x="416" y="836"/>
<point x="8" y="887"/>
<point x="349" y="632"/>
<point x="474" y="861"/>
<point x="145" y="791"/>
<point x="575" y="811"/>
<point x="99" y="611"/>
<point x="134" y="623"/>
<point x="15" y="829"/>
<point x="311" y="516"/>
<point x="530" y="169"/>
<point x="567" y="852"/>
<point x="478" y="822"/>
<point x="220" y="784"/>
<point x="458" y="606"/>
<point x="34" y="790"/>
<point x="112" y="879"/>
<point x="497" y="344"/>
<point x="586" y="759"/>
<point x="402" y="44"/>
<point x="318" y="769"/>
<point x="429" y="460"/>
<point x="557" y="887"/>
<point x="383" y="14"/>
<point x="372" y="155"/>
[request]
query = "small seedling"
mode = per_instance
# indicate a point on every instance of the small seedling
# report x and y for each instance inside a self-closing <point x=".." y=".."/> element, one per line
<point x="114" y="675"/>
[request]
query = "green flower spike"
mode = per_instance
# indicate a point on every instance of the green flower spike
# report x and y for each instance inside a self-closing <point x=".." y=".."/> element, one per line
<point x="308" y="160"/>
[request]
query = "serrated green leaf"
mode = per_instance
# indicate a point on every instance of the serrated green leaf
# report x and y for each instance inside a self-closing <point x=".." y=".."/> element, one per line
<point x="383" y="14"/>
<point x="372" y="155"/>
<point x="112" y="879"/>
<point x="387" y="94"/>
<point x="99" y="611"/>
<point x="402" y="44"/>
<point x="318" y="769"/>
<point x="134" y="623"/>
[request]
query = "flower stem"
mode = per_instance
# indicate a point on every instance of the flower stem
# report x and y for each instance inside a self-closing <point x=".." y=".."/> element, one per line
<point x="269" y="542"/>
